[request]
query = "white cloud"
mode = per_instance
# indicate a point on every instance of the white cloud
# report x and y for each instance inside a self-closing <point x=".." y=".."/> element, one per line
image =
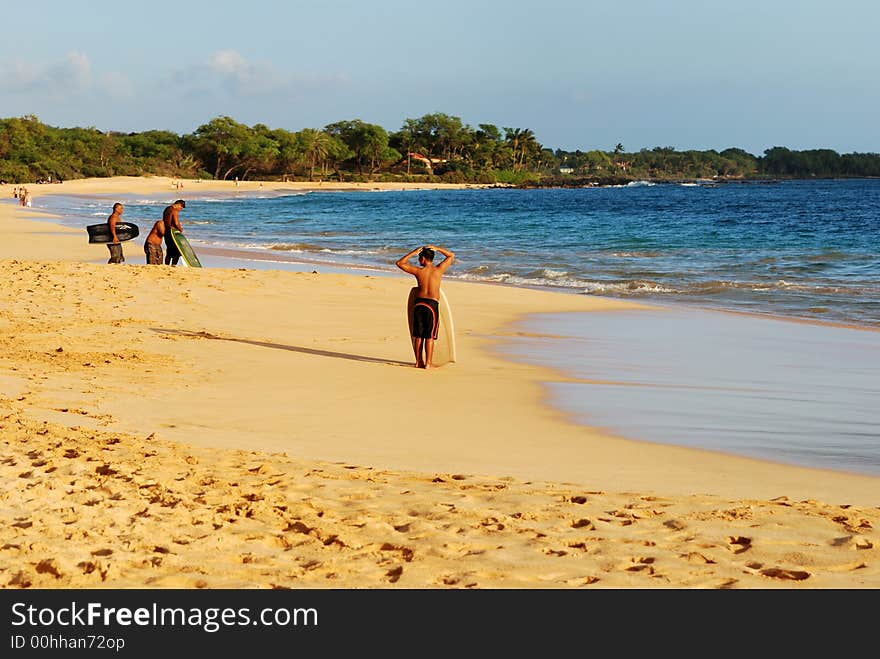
<point x="243" y="78"/>
<point x="229" y="73"/>
<point x="74" y="72"/>
<point x="228" y="62"/>
<point x="71" y="75"/>
<point x="82" y="90"/>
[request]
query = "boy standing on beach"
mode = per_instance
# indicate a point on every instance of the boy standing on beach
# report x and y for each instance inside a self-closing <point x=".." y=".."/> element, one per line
<point x="426" y="312"/>
<point x="114" y="245"/>
<point x="153" y="243"/>
<point x="172" y="221"/>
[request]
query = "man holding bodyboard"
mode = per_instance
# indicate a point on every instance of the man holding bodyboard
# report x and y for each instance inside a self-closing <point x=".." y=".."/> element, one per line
<point x="172" y="221"/>
<point x="115" y="246"/>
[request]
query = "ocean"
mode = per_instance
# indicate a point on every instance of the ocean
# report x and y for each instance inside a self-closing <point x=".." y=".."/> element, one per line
<point x="757" y="383"/>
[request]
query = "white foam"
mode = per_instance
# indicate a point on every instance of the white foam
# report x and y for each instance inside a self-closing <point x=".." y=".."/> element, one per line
<point x="553" y="274"/>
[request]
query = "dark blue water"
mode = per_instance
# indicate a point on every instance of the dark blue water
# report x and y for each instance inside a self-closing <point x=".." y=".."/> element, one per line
<point x="808" y="249"/>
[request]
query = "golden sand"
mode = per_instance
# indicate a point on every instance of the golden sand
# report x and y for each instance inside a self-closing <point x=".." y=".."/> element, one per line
<point x="172" y="427"/>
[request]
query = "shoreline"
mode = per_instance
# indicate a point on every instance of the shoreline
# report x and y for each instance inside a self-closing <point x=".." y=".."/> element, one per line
<point x="284" y="258"/>
<point x="555" y="375"/>
<point x="247" y="257"/>
<point x="791" y="393"/>
<point x="143" y="386"/>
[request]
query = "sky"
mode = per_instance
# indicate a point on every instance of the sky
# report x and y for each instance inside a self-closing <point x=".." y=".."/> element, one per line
<point x="583" y="75"/>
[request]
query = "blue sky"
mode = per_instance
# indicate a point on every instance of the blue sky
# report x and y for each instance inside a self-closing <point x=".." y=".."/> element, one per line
<point x="681" y="73"/>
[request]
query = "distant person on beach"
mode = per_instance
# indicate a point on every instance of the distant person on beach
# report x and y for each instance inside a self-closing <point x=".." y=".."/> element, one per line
<point x="153" y="243"/>
<point x="171" y="219"/>
<point x="426" y="312"/>
<point x="114" y="245"/>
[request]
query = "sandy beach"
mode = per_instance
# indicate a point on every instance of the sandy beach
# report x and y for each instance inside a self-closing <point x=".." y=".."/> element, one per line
<point x="237" y="428"/>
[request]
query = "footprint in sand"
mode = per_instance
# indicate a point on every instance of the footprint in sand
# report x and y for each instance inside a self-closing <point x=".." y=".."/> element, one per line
<point x="739" y="544"/>
<point x="697" y="558"/>
<point x="393" y="575"/>
<point x="853" y="541"/>
<point x="583" y="524"/>
<point x="782" y="573"/>
<point x="640" y="563"/>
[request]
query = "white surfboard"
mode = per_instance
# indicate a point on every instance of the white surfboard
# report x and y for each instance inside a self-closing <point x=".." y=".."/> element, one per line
<point x="444" y="346"/>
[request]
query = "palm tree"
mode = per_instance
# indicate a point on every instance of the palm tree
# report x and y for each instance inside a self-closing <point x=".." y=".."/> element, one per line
<point x="528" y="144"/>
<point x="521" y="141"/>
<point x="617" y="161"/>
<point x="315" y="146"/>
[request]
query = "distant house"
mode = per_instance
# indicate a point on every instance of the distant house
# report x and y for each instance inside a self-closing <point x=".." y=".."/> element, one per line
<point x="566" y="170"/>
<point x="427" y="162"/>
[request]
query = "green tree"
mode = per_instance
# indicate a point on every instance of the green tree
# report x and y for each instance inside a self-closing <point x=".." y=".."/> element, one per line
<point x="259" y="154"/>
<point x="523" y="144"/>
<point x="438" y="135"/>
<point x="314" y="145"/>
<point x="488" y="147"/>
<point x="289" y="151"/>
<point x="597" y="161"/>
<point x="221" y="143"/>
<point x="337" y="153"/>
<point x="368" y="142"/>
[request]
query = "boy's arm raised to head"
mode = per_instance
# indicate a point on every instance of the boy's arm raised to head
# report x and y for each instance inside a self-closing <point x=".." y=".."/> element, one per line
<point x="403" y="264"/>
<point x="449" y="257"/>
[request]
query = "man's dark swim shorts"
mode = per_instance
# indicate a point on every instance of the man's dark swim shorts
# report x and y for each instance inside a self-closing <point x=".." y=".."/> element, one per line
<point x="426" y="318"/>
<point x="171" y="250"/>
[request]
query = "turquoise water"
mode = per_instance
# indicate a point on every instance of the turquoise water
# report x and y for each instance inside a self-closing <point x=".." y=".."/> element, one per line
<point x="689" y="375"/>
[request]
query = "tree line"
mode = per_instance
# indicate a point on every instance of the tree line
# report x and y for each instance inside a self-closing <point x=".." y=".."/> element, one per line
<point x="433" y="148"/>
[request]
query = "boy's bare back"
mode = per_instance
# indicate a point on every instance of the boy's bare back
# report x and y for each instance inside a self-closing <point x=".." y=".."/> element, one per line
<point x="428" y="278"/>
